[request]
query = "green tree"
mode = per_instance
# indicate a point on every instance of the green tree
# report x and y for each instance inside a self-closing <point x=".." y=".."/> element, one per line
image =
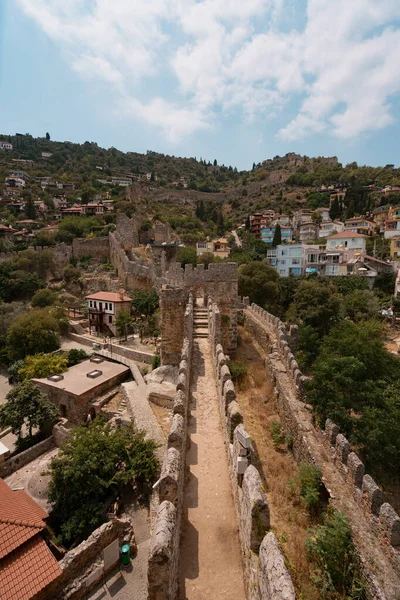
<point x="247" y="224"/>
<point x="48" y="136"/>
<point x="30" y="210"/>
<point x="145" y="302"/>
<point x="277" y="239"/>
<point x="334" y="211"/>
<point x="316" y="304"/>
<point x="92" y="468"/>
<point x="26" y="405"/>
<point x="360" y="305"/>
<point x="260" y="282"/>
<point x="75" y="356"/>
<point x="43" y="298"/>
<point x="220" y="223"/>
<point x="42" y="365"/>
<point x="187" y="255"/>
<point x="123" y="322"/>
<point x="34" y="332"/>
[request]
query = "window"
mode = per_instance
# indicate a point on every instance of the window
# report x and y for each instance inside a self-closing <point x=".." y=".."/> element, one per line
<point x="295" y="261"/>
<point x="110" y="319"/>
<point x="283" y="262"/>
<point x="63" y="410"/>
<point x="90" y="303"/>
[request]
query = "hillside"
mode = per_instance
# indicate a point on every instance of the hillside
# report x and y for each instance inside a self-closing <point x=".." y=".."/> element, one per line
<point x="168" y="188"/>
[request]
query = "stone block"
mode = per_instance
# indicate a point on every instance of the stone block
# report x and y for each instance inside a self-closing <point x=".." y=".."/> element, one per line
<point x="331" y="431"/>
<point x="168" y="487"/>
<point x="218" y="349"/>
<point x="94" y="577"/>
<point x="342" y="449"/>
<point x="356" y="469"/>
<point x="183" y="367"/>
<point x="179" y="403"/>
<point x="185" y="354"/>
<point x="297" y="377"/>
<point x="228" y="393"/>
<point x="254" y="517"/>
<point x="372" y="494"/>
<point x="182" y="383"/>
<point x="235" y="417"/>
<point x="274" y="578"/>
<point x="221" y="362"/>
<point x="225" y="375"/>
<point x="176" y="435"/>
<point x="389" y="522"/>
<point x="161" y="553"/>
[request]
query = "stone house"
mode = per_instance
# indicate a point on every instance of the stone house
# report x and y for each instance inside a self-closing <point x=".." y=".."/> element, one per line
<point x="74" y="391"/>
<point x="104" y="307"/>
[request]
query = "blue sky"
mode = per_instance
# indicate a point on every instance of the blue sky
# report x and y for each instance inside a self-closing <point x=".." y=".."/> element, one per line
<point x="235" y="80"/>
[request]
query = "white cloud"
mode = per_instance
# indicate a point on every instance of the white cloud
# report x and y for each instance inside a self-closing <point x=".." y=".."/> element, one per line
<point x="218" y="56"/>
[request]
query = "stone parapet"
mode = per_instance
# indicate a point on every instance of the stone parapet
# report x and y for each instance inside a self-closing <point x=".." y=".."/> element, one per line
<point x="165" y="541"/>
<point x="250" y="500"/>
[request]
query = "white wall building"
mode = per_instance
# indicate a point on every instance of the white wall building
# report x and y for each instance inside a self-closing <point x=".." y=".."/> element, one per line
<point x="346" y="239"/>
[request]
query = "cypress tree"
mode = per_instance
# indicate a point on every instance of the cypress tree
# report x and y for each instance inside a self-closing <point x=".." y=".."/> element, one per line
<point x="277" y="236"/>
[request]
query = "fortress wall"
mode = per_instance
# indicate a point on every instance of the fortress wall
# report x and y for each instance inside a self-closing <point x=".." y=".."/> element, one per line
<point x="372" y="519"/>
<point x="266" y="576"/>
<point x="165" y="542"/>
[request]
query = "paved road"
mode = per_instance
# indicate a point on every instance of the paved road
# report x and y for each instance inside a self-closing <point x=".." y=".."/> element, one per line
<point x="238" y="241"/>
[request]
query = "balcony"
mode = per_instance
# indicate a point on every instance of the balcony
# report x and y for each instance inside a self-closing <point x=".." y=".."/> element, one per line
<point x="96" y="311"/>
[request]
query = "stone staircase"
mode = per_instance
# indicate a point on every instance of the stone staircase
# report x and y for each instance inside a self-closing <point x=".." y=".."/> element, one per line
<point x="200" y="323"/>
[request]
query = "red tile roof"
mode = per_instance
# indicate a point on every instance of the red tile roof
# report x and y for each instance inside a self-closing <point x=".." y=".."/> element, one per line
<point x="109" y="297"/>
<point x="346" y="234"/>
<point x="26" y="564"/>
<point x="27" y="570"/>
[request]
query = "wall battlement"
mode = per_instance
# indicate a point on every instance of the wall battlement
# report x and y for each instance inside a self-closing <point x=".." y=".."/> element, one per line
<point x="375" y="526"/>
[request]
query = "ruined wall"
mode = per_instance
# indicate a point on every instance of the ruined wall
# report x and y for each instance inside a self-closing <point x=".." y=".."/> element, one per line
<point x="165" y="541"/>
<point x="173" y="306"/>
<point x="375" y="526"/>
<point x="132" y="272"/>
<point x="266" y="576"/>
<point x="98" y="247"/>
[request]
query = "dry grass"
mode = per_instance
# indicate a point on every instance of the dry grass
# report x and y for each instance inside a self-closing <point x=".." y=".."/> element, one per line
<point x="277" y="467"/>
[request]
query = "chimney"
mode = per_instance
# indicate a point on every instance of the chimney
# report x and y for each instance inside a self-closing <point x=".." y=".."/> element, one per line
<point x="121" y="294"/>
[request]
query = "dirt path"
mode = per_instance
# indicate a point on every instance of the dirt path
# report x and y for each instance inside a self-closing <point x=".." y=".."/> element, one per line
<point x="210" y="565"/>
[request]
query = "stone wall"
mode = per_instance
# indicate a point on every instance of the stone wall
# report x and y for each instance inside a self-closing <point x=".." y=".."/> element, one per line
<point x="84" y="566"/>
<point x="98" y="247"/>
<point x="19" y="460"/>
<point x="375" y="534"/>
<point x="266" y="576"/>
<point x="384" y="520"/>
<point x="61" y="432"/>
<point x="116" y="349"/>
<point x="173" y="305"/>
<point x="165" y="541"/>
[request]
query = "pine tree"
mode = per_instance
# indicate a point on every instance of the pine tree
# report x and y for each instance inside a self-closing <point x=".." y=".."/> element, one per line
<point x="48" y="136"/>
<point x="247" y="225"/>
<point x="30" y="211"/>
<point x="215" y="162"/>
<point x="277" y="236"/>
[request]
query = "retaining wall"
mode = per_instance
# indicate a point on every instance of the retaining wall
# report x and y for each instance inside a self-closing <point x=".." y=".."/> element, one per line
<point x="115" y="349"/>
<point x="19" y="460"/>
<point x="266" y="576"/>
<point x="165" y="540"/>
<point x="98" y="247"/>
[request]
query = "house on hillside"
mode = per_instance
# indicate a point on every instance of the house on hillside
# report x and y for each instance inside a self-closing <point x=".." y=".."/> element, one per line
<point x="27" y="567"/>
<point x="6" y="146"/>
<point x="395" y="247"/>
<point x="360" y="225"/>
<point x="347" y="240"/>
<point x="103" y="308"/>
<point x="308" y="232"/>
<point x="267" y="234"/>
<point x="219" y="247"/>
<point x="327" y="228"/>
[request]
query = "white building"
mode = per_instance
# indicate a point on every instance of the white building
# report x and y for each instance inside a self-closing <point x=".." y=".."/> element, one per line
<point x="328" y="228"/>
<point x="6" y="146"/>
<point x="346" y="240"/>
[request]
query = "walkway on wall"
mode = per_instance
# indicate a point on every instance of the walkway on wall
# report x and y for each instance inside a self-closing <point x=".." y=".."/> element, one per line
<point x="210" y="563"/>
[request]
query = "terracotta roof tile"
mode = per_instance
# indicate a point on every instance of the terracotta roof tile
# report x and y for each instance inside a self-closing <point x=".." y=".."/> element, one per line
<point x="109" y="297"/>
<point x="26" y="571"/>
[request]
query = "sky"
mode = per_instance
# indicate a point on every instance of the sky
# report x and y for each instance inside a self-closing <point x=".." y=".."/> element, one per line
<point x="235" y="80"/>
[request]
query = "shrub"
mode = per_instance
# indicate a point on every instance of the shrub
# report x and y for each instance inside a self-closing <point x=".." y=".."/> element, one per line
<point x="276" y="430"/>
<point x="42" y="365"/>
<point x="238" y="370"/>
<point x="71" y="274"/>
<point x="156" y="362"/>
<point x="330" y="545"/>
<point x="310" y="483"/>
<point x="75" y="356"/>
<point x="44" y="298"/>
